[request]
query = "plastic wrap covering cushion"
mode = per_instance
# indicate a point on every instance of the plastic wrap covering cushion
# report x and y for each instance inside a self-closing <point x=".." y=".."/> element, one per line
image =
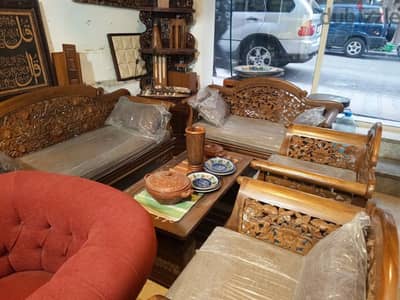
<point x="260" y="135"/>
<point x="7" y="164"/>
<point x="336" y="267"/>
<point x="211" y="106"/>
<point x="148" y="119"/>
<point x="313" y="116"/>
<point x="89" y="154"/>
<point x="231" y="265"/>
<point x="326" y="170"/>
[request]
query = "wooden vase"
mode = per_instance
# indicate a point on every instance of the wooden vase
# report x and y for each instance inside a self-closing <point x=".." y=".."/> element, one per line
<point x="195" y="137"/>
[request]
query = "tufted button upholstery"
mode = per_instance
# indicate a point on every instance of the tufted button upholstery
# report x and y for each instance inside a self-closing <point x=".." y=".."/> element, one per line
<point x="97" y="241"/>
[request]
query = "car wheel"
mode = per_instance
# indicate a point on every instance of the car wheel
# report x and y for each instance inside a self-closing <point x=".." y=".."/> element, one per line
<point x="354" y="47"/>
<point x="398" y="51"/>
<point x="258" y="53"/>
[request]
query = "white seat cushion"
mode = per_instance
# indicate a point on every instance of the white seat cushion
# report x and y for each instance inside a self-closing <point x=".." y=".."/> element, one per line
<point x="231" y="265"/>
<point x="89" y="154"/>
<point x="247" y="133"/>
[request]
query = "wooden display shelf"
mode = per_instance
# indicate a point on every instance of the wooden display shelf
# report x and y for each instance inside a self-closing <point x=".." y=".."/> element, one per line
<point x="172" y="10"/>
<point x="168" y="51"/>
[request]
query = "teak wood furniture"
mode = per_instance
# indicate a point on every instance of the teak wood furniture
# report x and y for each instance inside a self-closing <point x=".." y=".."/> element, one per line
<point x="176" y="243"/>
<point x="45" y="120"/>
<point x="291" y="220"/>
<point x="261" y="109"/>
<point x="67" y="65"/>
<point x="326" y="162"/>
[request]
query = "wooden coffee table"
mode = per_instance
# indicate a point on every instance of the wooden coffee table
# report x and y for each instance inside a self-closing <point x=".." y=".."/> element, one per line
<point x="176" y="245"/>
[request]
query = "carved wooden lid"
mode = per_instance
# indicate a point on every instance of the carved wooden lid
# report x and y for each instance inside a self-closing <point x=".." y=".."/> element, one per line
<point x="167" y="181"/>
<point x="213" y="149"/>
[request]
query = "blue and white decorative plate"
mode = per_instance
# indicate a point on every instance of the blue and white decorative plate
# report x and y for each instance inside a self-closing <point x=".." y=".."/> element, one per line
<point x="219" y="166"/>
<point x="203" y="181"/>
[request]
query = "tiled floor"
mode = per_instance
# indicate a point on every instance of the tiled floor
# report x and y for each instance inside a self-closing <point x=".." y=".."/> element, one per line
<point x="151" y="289"/>
<point x="389" y="203"/>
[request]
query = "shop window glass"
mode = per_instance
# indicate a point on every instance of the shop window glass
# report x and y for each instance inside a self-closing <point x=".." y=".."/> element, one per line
<point x="361" y="59"/>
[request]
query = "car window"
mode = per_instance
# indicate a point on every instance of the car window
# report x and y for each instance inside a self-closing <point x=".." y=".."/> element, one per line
<point x="315" y="7"/>
<point x="256" y="5"/>
<point x="239" y="5"/>
<point x="343" y="15"/>
<point x="280" y="5"/>
<point x="371" y="15"/>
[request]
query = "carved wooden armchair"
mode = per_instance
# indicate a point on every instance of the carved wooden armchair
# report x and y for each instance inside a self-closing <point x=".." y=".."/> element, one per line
<point x="273" y="99"/>
<point x="325" y="162"/>
<point x="268" y="217"/>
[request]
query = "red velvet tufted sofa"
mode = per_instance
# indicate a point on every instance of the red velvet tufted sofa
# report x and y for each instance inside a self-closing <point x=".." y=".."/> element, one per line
<point x="65" y="237"/>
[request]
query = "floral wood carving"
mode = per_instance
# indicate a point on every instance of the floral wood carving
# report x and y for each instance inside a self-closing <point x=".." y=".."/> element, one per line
<point x="268" y="103"/>
<point x="285" y="228"/>
<point x="325" y="152"/>
<point x="49" y="122"/>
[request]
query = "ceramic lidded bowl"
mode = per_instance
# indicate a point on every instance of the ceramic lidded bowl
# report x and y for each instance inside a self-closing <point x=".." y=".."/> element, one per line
<point x="168" y="187"/>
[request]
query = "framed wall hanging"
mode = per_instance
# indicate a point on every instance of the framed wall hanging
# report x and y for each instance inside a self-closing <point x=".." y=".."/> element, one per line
<point x="125" y="51"/>
<point x="24" y="55"/>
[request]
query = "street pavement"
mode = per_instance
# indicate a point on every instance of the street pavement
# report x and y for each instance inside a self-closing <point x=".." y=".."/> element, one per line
<point x="371" y="82"/>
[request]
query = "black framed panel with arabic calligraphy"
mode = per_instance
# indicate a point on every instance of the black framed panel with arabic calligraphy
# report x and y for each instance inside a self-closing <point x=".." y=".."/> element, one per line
<point x="23" y="57"/>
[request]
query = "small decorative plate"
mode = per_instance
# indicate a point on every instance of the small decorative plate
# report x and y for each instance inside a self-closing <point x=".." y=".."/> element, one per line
<point x="210" y="190"/>
<point x="203" y="181"/>
<point x="219" y="166"/>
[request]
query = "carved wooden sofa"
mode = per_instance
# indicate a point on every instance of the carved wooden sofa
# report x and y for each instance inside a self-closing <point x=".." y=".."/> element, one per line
<point x="261" y="109"/>
<point x="61" y="130"/>
<point x="325" y="162"/>
<point x="283" y="244"/>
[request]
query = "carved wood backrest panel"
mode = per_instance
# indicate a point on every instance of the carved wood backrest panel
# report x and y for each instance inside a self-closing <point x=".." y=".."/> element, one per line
<point x="33" y="121"/>
<point x="270" y="99"/>
<point x="339" y="149"/>
<point x="285" y="228"/>
<point x="325" y="152"/>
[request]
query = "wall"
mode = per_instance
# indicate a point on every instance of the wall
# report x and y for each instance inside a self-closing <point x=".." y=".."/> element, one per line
<point x="87" y="26"/>
<point x="203" y="30"/>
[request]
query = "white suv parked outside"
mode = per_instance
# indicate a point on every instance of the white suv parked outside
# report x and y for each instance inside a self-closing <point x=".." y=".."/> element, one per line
<point x="273" y="32"/>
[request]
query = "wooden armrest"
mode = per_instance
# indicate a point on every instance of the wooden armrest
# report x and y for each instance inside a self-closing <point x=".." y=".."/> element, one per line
<point x="325" y="103"/>
<point x="311" y="177"/>
<point x="223" y="90"/>
<point x="386" y="254"/>
<point x="168" y="105"/>
<point x="158" y="297"/>
<point x="330" y="117"/>
<point x="283" y="197"/>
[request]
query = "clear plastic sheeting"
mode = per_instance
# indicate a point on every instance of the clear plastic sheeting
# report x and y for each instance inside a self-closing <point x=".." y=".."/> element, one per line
<point x="336" y="267"/>
<point x="313" y="116"/>
<point x="7" y="164"/>
<point x="90" y="154"/>
<point x="211" y="106"/>
<point x="150" y="120"/>
<point x="247" y="133"/>
<point x="231" y="266"/>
